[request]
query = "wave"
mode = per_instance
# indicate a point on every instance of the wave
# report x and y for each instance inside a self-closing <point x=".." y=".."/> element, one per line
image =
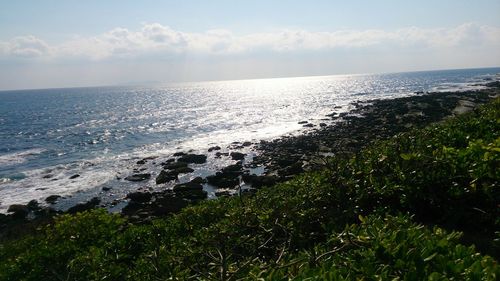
<point x="19" y="157"/>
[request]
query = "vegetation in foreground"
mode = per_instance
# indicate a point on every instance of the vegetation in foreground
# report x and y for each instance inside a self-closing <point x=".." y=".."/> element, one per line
<point x="422" y="205"/>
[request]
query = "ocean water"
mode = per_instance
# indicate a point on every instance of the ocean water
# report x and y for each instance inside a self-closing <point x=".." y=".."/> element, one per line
<point x="49" y="135"/>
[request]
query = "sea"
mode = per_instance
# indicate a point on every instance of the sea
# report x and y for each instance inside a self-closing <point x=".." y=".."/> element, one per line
<point x="75" y="142"/>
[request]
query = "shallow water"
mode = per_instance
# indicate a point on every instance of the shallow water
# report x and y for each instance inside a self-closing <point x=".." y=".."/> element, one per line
<point x="46" y="136"/>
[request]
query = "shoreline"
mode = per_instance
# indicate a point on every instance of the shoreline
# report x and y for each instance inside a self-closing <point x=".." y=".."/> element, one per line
<point x="281" y="158"/>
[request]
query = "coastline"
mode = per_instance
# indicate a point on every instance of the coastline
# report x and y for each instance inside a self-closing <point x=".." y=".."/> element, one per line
<point x="275" y="161"/>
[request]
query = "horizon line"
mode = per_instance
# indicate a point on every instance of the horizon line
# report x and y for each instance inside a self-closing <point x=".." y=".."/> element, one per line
<point x="166" y="83"/>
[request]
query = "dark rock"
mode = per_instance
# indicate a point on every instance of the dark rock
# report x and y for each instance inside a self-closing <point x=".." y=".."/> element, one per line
<point x="183" y="170"/>
<point x="219" y="154"/>
<point x="233" y="168"/>
<point x="187" y="186"/>
<point x="196" y="194"/>
<point x="237" y="155"/>
<point x="47" y="176"/>
<point x="495" y="84"/>
<point x="247" y="143"/>
<point x="18" y="211"/>
<point x="194" y="158"/>
<point x="309" y="125"/>
<point x="223" y="180"/>
<point x="52" y="199"/>
<point x="33" y="205"/>
<point x="138" y="177"/>
<point x="74" y="176"/>
<point x="168" y="161"/>
<point x="286" y="160"/>
<point x="177" y="154"/>
<point x="106" y="188"/>
<point x="260" y="181"/>
<point x="84" y="206"/>
<point x="302" y="122"/>
<point x="199" y="180"/>
<point x="141" y="162"/>
<point x="214" y="148"/>
<point x="165" y="176"/>
<point x="132" y="208"/>
<point x="323" y="124"/>
<point x="139" y="196"/>
<point x="168" y="204"/>
<point x="175" y="165"/>
<point x="291" y="170"/>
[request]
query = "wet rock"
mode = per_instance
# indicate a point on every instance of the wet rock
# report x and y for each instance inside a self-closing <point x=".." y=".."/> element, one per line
<point x="199" y="180"/>
<point x="141" y="162"/>
<point x="246" y="143"/>
<point x="138" y="177"/>
<point x="194" y="158"/>
<point x="260" y="181"/>
<point x="175" y="165"/>
<point x="132" y="208"/>
<point x="139" y="196"/>
<point x="214" y="148"/>
<point x="52" y="199"/>
<point x="196" y="194"/>
<point x="235" y="168"/>
<point x="168" y="204"/>
<point x="291" y="170"/>
<point x="237" y="155"/>
<point x="165" y="176"/>
<point x="106" y="188"/>
<point x="94" y="202"/>
<point x="323" y="124"/>
<point x="18" y="211"/>
<point x="302" y="122"/>
<point x="183" y="170"/>
<point x="47" y="176"/>
<point x="495" y="84"/>
<point x="187" y="187"/>
<point x="177" y="154"/>
<point x="224" y="180"/>
<point x="74" y="176"/>
<point x="33" y="205"/>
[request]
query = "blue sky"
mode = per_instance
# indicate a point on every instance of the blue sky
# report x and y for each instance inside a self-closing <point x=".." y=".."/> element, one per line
<point x="84" y="43"/>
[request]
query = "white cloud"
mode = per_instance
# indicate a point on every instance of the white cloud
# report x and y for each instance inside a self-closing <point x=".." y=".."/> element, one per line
<point x="153" y="39"/>
<point x="25" y="46"/>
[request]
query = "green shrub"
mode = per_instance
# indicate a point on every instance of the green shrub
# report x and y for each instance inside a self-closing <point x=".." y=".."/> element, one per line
<point x="307" y="228"/>
<point x="392" y="248"/>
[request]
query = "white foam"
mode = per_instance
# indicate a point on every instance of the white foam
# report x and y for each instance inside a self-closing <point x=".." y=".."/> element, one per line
<point x="19" y="157"/>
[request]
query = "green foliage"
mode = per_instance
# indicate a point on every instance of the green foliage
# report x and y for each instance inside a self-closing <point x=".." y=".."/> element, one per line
<point x="307" y="228"/>
<point x="386" y="249"/>
<point x="446" y="174"/>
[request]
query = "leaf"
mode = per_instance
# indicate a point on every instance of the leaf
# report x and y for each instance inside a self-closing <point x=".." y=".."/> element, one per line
<point x="406" y="156"/>
<point x="430" y="257"/>
<point x="361" y="218"/>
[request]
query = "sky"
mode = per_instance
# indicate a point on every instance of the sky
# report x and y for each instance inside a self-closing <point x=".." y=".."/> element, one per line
<point x="49" y="43"/>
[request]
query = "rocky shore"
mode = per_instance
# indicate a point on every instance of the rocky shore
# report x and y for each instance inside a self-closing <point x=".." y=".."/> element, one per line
<point x="338" y="134"/>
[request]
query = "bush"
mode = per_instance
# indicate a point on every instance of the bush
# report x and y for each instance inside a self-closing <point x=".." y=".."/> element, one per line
<point x="306" y="228"/>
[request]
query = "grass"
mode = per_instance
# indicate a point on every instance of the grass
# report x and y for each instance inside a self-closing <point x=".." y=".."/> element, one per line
<point x="422" y="205"/>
